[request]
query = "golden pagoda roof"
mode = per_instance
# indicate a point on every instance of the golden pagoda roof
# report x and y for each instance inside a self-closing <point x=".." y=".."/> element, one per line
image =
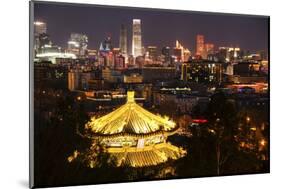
<point x="147" y="156"/>
<point x="130" y="118"/>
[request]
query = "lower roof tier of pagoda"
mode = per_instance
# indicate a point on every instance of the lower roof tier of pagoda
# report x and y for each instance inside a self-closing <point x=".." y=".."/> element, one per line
<point x="146" y="156"/>
<point x="130" y="135"/>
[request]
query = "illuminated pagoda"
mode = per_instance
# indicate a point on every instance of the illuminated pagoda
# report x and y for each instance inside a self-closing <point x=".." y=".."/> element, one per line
<point x="134" y="136"/>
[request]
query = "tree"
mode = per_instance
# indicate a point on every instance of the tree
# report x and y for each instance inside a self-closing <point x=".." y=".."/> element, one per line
<point x="95" y="156"/>
<point x="222" y="119"/>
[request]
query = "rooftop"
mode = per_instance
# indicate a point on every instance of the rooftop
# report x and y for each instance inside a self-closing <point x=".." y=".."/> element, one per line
<point x="130" y="118"/>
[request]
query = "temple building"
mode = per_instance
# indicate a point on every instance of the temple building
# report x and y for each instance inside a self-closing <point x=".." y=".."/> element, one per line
<point x="134" y="136"/>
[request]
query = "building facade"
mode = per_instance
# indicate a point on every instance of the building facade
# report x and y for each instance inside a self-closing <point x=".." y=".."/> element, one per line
<point x="77" y="44"/>
<point x="202" y="72"/>
<point x="199" y="45"/>
<point x="136" y="41"/>
<point x="123" y="40"/>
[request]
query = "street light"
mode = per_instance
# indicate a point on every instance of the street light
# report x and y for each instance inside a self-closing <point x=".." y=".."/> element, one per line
<point x="262" y="142"/>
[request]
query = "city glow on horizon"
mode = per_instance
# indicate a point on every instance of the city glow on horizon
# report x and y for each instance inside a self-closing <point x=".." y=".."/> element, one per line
<point x="56" y="55"/>
<point x="73" y="43"/>
<point x="38" y="23"/>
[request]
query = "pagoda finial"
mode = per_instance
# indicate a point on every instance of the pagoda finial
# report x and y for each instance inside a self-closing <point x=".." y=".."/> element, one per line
<point x="130" y="96"/>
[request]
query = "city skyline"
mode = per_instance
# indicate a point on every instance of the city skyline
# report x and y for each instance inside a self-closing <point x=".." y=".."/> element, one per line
<point x="147" y="94"/>
<point x="244" y="31"/>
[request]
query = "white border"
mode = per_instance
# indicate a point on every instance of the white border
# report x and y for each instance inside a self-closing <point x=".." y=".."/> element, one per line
<point x="14" y="92"/>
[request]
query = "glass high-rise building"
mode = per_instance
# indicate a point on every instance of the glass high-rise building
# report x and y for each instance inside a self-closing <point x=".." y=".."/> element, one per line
<point x="40" y="28"/>
<point x="123" y="40"/>
<point x="184" y="74"/>
<point x="166" y="52"/>
<point x="136" y="41"/>
<point x="40" y="31"/>
<point x="152" y="51"/>
<point x="77" y="44"/>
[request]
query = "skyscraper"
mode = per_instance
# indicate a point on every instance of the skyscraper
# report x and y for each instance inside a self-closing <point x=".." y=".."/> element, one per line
<point x="136" y="41"/>
<point x="184" y="74"/>
<point x="199" y="45"/>
<point x="77" y="44"/>
<point x="186" y="55"/>
<point x="106" y="45"/>
<point x="152" y="51"/>
<point x="209" y="47"/>
<point x="208" y="50"/>
<point x="123" y="40"/>
<point x="178" y="51"/>
<point x="39" y="28"/>
<point x="166" y="52"/>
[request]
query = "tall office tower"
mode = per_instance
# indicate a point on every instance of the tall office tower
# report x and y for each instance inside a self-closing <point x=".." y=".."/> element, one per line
<point x="119" y="62"/>
<point x="227" y="54"/>
<point x="152" y="52"/>
<point x="200" y="45"/>
<point x="209" y="47"/>
<point x="44" y="40"/>
<point x="184" y="74"/>
<point x="123" y="40"/>
<point x="106" y="45"/>
<point x="166" y="52"/>
<point x="208" y="50"/>
<point x="178" y="51"/>
<point x="77" y="44"/>
<point x="40" y="28"/>
<point x="136" y="41"/>
<point x="73" y="80"/>
<point x="186" y="55"/>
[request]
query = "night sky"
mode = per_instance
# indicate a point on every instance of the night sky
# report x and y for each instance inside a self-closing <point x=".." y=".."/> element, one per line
<point x="159" y="28"/>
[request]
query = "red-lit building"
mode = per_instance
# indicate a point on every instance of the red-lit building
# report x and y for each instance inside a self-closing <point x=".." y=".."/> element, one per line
<point x="199" y="45"/>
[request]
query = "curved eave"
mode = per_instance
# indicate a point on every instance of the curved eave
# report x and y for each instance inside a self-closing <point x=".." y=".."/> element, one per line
<point x="130" y="118"/>
<point x="131" y="135"/>
<point x="148" y="156"/>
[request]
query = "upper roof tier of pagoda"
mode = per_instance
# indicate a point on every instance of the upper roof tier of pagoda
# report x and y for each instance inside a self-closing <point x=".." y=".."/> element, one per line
<point x="130" y="118"/>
